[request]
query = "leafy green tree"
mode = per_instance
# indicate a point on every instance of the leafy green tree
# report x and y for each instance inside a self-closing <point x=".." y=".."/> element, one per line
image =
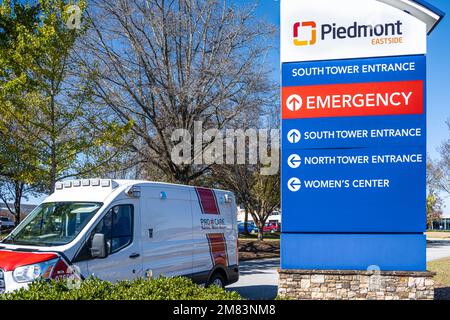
<point x="48" y="97"/>
<point x="265" y="199"/>
<point x="434" y="208"/>
<point x="18" y="156"/>
<point x="49" y="128"/>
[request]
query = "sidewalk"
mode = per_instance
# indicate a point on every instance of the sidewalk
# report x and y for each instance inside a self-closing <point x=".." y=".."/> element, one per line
<point x="438" y="249"/>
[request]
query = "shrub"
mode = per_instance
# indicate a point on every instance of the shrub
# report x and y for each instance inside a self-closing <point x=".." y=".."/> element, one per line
<point x="140" y="289"/>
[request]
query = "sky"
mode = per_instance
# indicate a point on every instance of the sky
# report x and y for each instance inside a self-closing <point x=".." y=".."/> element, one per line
<point x="438" y="72"/>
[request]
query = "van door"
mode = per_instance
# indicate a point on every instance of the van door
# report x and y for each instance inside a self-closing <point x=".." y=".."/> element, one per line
<point x="166" y="230"/>
<point x="121" y="227"/>
<point x="227" y="209"/>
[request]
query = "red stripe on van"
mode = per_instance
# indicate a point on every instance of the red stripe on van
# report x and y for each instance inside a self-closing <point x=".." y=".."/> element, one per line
<point x="9" y="260"/>
<point x="218" y="248"/>
<point x="207" y="200"/>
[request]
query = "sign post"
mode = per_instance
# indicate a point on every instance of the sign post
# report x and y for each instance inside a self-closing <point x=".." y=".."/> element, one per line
<point x="354" y="146"/>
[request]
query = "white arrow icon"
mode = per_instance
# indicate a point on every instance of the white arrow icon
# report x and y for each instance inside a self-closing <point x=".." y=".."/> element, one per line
<point x="294" y="136"/>
<point x="294" y="184"/>
<point x="294" y="161"/>
<point x="294" y="102"/>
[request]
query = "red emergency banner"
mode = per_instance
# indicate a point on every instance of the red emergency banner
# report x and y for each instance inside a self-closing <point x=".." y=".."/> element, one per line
<point x="357" y="99"/>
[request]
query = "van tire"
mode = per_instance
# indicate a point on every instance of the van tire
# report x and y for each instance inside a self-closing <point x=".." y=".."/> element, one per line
<point x="217" y="280"/>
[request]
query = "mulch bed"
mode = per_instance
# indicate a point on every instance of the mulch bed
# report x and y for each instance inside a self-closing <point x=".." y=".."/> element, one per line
<point x="252" y="249"/>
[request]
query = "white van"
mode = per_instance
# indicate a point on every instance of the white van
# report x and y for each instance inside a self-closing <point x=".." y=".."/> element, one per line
<point x="121" y="229"/>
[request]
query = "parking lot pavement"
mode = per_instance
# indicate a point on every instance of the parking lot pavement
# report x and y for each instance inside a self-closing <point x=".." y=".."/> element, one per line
<point x="438" y="249"/>
<point x="259" y="278"/>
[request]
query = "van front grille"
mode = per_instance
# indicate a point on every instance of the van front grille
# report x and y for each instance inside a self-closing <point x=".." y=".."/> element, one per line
<point x="2" y="282"/>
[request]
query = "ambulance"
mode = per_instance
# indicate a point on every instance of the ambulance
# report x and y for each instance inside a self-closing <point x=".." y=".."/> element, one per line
<point x="123" y="229"/>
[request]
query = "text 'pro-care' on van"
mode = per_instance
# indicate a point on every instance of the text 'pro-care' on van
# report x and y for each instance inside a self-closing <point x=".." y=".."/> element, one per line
<point x="119" y="229"/>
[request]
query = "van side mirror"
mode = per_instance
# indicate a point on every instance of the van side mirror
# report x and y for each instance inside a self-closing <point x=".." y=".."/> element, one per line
<point x="98" y="246"/>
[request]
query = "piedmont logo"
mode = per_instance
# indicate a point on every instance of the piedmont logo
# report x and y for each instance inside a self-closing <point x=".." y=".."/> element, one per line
<point x="313" y="33"/>
<point x="386" y="33"/>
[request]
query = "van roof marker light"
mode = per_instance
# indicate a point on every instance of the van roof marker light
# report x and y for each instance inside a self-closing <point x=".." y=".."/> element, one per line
<point x="106" y="183"/>
<point x="67" y="184"/>
<point x="85" y="182"/>
<point x="95" y="182"/>
<point x="76" y="183"/>
<point x="58" y="186"/>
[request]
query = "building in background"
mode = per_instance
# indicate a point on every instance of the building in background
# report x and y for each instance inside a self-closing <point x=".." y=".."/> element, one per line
<point x="25" y="209"/>
<point x="443" y="223"/>
<point x="274" y="216"/>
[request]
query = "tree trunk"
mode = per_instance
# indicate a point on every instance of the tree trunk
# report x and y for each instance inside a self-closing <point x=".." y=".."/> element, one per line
<point x="246" y="222"/>
<point x="53" y="171"/>
<point x="260" y="231"/>
<point x="52" y="181"/>
<point x="18" y="189"/>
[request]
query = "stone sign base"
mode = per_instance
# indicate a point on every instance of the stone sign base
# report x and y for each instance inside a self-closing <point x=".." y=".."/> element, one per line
<point x="355" y="285"/>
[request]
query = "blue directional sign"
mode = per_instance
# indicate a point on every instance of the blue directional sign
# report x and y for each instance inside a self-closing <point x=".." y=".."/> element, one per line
<point x="348" y="132"/>
<point x="374" y="190"/>
<point x="353" y="251"/>
<point x="354" y="163"/>
<point x="366" y="70"/>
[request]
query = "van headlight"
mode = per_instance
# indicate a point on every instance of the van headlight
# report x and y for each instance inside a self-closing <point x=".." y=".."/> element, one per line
<point x="34" y="271"/>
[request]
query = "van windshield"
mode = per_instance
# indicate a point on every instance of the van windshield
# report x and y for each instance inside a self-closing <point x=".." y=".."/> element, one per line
<point x="53" y="224"/>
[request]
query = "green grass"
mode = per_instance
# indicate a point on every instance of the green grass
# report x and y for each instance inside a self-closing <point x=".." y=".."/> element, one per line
<point x="438" y="231"/>
<point x="438" y="234"/>
<point x="442" y="269"/>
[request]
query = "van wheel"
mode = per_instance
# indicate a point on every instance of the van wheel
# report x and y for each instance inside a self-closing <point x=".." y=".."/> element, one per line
<point x="216" y="280"/>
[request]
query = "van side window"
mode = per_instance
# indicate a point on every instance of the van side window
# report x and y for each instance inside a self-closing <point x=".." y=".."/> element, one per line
<point x="117" y="226"/>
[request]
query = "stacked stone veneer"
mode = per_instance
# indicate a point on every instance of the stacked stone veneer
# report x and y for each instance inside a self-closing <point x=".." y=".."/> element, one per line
<point x="355" y="285"/>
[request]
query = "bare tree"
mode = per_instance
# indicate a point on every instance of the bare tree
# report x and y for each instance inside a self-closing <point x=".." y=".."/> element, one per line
<point x="438" y="171"/>
<point x="259" y="194"/>
<point x="442" y="172"/>
<point x="12" y="193"/>
<point x="163" y="65"/>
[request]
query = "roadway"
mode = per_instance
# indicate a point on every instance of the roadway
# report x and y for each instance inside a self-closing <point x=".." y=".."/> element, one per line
<point x="259" y="278"/>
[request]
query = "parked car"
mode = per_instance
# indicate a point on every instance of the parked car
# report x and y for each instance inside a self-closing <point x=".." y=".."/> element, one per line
<point x="251" y="227"/>
<point x="5" y="223"/>
<point x="271" y="227"/>
<point x="121" y="229"/>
